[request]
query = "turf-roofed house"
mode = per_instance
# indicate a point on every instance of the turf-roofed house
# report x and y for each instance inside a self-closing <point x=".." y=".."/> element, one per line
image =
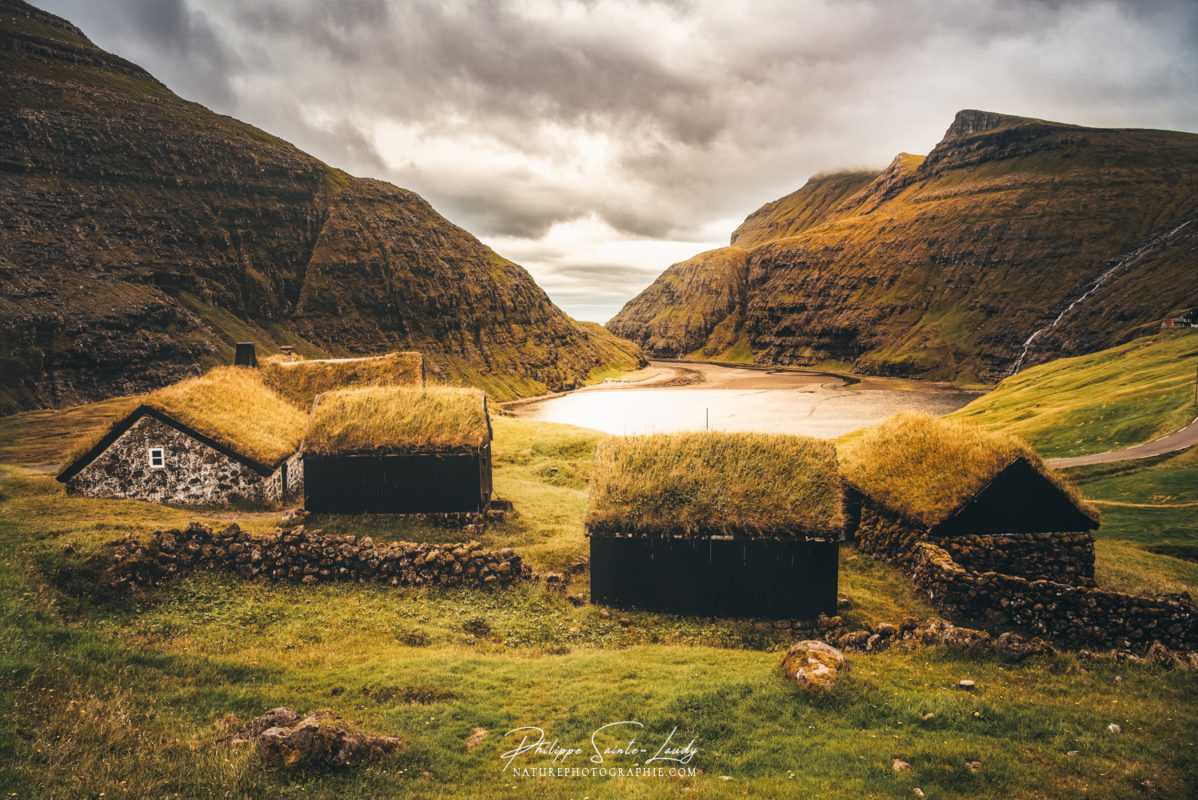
<point x="217" y="438"/>
<point x="300" y="380"/>
<point x="397" y="450"/>
<point x="716" y="524"/>
<point x="987" y="498"/>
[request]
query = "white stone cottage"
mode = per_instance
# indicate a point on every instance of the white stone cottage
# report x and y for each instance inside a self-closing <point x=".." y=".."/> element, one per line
<point x="215" y="439"/>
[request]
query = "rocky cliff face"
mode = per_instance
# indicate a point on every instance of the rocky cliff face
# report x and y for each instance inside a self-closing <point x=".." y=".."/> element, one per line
<point x="945" y="266"/>
<point x="141" y="234"/>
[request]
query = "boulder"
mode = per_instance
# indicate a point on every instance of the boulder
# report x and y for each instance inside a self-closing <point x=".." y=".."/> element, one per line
<point x="322" y="739"/>
<point x="814" y="665"/>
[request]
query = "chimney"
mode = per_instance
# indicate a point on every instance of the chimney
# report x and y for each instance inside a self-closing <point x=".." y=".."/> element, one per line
<point x="245" y="355"/>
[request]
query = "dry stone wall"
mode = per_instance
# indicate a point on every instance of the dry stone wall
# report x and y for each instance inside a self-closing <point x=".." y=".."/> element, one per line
<point x="1039" y="582"/>
<point x="1075" y="613"/>
<point x="300" y="556"/>
<point x="1061" y="557"/>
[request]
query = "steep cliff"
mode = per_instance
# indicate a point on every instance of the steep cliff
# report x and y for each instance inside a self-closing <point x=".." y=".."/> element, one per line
<point x="1013" y="242"/>
<point x="141" y="234"/>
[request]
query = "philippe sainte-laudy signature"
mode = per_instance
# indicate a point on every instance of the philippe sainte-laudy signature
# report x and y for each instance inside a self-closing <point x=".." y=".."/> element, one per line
<point x="610" y="743"/>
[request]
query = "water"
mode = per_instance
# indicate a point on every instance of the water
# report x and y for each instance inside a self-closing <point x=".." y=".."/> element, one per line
<point x="746" y="400"/>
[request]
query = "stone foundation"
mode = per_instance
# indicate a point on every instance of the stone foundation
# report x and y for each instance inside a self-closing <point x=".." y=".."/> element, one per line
<point x="300" y="556"/>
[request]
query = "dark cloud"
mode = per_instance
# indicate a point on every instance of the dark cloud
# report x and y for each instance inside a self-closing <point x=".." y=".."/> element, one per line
<point x="656" y="120"/>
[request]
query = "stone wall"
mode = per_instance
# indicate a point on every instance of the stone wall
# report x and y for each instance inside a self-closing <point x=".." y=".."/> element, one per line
<point x="1075" y="613"/>
<point x="884" y="535"/>
<point x="1066" y="557"/>
<point x="301" y="556"/>
<point x="1039" y="582"/>
<point x="1061" y="557"/>
<point x="194" y="473"/>
<point x="273" y="487"/>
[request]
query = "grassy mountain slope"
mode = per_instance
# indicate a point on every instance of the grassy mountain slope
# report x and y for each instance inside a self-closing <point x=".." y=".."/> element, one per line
<point x="1103" y="401"/>
<point x="141" y="234"/>
<point x="942" y="266"/>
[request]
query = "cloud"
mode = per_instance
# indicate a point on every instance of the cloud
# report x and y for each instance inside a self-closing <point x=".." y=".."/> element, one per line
<point x="651" y="120"/>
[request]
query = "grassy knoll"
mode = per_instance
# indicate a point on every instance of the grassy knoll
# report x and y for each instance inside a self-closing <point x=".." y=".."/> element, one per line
<point x="123" y="697"/>
<point x="1098" y="402"/>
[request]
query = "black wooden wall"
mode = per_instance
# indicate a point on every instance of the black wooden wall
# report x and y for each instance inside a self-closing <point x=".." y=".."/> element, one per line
<point x="714" y="577"/>
<point x="398" y="483"/>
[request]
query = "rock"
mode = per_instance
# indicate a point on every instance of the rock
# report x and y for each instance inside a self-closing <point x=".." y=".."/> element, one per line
<point x="476" y="737"/>
<point x="966" y="685"/>
<point x="974" y="766"/>
<point x="624" y="621"/>
<point x="1014" y="648"/>
<point x="899" y="765"/>
<point x="1159" y="654"/>
<point x="854" y="640"/>
<point x="813" y="665"/>
<point x="579" y="599"/>
<point x="929" y="716"/>
<point x="280" y="717"/>
<point x="725" y="778"/>
<point x="604" y="613"/>
<point x="1114" y="728"/>
<point x="843" y="603"/>
<point x="918" y="792"/>
<point x="322" y="740"/>
<point x="967" y="640"/>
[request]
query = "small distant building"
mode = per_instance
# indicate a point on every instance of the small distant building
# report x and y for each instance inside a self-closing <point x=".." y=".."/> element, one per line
<point x="1186" y="320"/>
<point x="716" y="524"/>
<point x="397" y="450"/>
<point x="987" y="498"/>
<point x="301" y="380"/>
<point x="213" y="439"/>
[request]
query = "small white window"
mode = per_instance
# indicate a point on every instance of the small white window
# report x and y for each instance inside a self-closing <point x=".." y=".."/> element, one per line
<point x="157" y="458"/>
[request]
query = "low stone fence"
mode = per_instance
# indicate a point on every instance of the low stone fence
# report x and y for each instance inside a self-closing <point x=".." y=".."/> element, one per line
<point x="1060" y="557"/>
<point x="301" y="556"/>
<point x="1076" y="613"/>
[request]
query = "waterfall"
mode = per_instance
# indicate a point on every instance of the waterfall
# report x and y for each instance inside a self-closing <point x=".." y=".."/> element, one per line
<point x="1141" y="250"/>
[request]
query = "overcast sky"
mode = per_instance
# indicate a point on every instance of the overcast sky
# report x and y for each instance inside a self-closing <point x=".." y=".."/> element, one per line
<point x="596" y="143"/>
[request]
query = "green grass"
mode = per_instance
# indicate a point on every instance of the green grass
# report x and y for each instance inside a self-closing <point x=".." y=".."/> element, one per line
<point x="1103" y="401"/>
<point x="1148" y="540"/>
<point x="124" y="697"/>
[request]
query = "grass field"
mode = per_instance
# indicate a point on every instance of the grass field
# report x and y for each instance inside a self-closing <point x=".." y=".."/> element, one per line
<point x="122" y="698"/>
<point x="1103" y="401"/>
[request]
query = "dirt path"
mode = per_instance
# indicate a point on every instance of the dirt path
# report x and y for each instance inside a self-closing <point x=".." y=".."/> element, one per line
<point x="1178" y="440"/>
<point x="1122" y="504"/>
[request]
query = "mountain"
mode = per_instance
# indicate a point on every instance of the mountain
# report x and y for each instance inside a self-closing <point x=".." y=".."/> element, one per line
<point x="1012" y="235"/>
<point x="141" y="235"/>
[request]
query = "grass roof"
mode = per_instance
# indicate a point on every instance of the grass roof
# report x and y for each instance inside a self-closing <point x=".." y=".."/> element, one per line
<point x="378" y="419"/>
<point x="299" y="381"/>
<point x="926" y="467"/>
<point x="737" y="484"/>
<point x="233" y="406"/>
<point x="230" y="405"/>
